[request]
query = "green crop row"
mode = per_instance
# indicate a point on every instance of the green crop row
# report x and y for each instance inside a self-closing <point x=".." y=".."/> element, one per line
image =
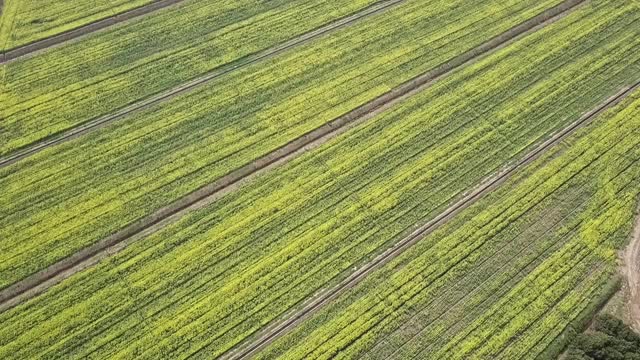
<point x="83" y="80"/>
<point x="70" y="196"/>
<point x="23" y="22"/>
<point x="507" y="275"/>
<point x="207" y="282"/>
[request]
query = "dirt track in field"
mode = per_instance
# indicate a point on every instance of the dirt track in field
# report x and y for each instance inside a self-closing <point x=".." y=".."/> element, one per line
<point x="41" y="281"/>
<point x="43" y="44"/>
<point x="273" y="332"/>
<point x="105" y="120"/>
<point x="632" y="270"/>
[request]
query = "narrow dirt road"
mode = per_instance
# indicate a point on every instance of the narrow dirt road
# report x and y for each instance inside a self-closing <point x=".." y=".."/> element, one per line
<point x="632" y="270"/>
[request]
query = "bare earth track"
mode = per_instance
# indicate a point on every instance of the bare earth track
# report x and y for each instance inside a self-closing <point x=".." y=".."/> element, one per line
<point x="632" y="269"/>
<point x="102" y="121"/>
<point x="41" y="281"/>
<point x="312" y="305"/>
<point x="43" y="44"/>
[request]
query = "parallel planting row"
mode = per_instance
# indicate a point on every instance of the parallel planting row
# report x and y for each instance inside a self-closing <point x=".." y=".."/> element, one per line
<point x="507" y="276"/>
<point x="72" y="195"/>
<point x="24" y="22"/>
<point x="209" y="281"/>
<point x="81" y="81"/>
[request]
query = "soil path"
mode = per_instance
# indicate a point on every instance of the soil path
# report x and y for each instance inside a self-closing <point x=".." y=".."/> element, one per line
<point x="632" y="267"/>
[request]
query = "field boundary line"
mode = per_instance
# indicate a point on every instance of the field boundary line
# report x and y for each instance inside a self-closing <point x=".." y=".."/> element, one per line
<point x="186" y="87"/>
<point x="632" y="272"/>
<point x="9" y="55"/>
<point x="323" y="298"/>
<point x="91" y="255"/>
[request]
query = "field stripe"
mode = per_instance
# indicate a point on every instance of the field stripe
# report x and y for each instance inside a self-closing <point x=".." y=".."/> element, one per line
<point x="487" y="186"/>
<point x="42" y="280"/>
<point x="43" y="44"/>
<point x="191" y="85"/>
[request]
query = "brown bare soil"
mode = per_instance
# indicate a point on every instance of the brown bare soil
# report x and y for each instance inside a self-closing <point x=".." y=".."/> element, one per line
<point x="632" y="272"/>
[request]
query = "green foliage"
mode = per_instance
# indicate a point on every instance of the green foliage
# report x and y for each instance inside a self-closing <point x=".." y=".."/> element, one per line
<point x="610" y="340"/>
<point x="560" y="343"/>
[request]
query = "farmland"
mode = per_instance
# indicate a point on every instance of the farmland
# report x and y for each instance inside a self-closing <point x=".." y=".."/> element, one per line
<point x="70" y="196"/>
<point x="200" y="286"/>
<point x="508" y="275"/>
<point x="310" y="179"/>
<point x="23" y="22"/>
<point x="116" y="68"/>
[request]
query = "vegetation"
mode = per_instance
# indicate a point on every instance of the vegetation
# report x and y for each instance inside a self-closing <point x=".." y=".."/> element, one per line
<point x="24" y="22"/>
<point x="508" y="275"/>
<point x="203" y="284"/>
<point x="610" y="339"/>
<point x="70" y="196"/>
<point x="81" y="81"/>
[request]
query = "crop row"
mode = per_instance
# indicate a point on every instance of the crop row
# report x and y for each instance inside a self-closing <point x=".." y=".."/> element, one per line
<point x="206" y="282"/>
<point x="23" y="22"/>
<point x="70" y="196"/>
<point x="80" y="81"/>
<point x="505" y="277"/>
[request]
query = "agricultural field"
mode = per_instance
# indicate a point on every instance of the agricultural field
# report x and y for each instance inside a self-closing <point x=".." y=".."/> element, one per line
<point x="200" y="286"/>
<point x="66" y="197"/>
<point x="23" y="22"/>
<point x="58" y="90"/>
<point x="311" y="179"/>
<point x="506" y="277"/>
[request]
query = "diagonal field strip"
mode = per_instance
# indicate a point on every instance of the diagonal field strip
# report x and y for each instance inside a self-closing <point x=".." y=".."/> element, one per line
<point x="277" y="330"/>
<point x="40" y="281"/>
<point x="43" y="44"/>
<point x="191" y="85"/>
